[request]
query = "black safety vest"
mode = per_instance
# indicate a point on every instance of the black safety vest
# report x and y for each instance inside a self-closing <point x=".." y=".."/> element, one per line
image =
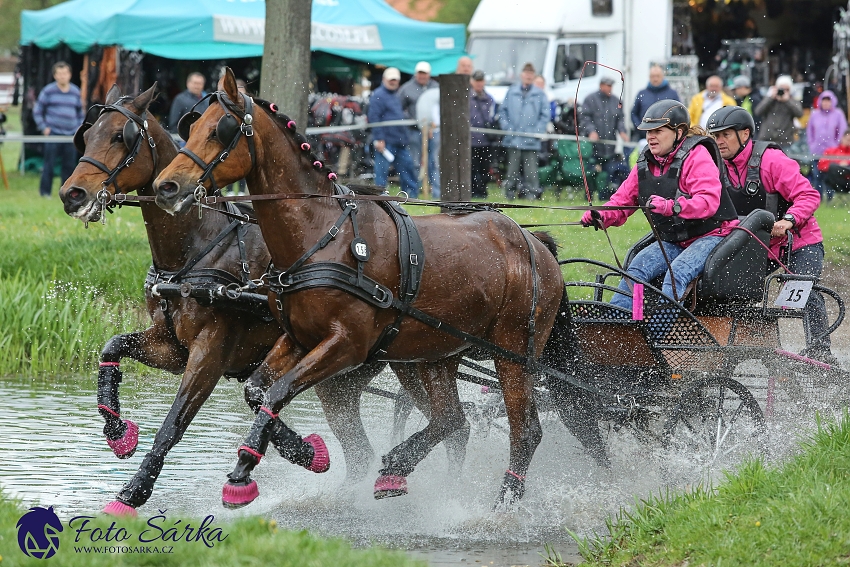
<point x="675" y="228"/>
<point x="753" y="194"/>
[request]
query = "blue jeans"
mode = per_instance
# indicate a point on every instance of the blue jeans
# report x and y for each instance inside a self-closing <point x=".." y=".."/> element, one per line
<point x="808" y="261"/>
<point x="404" y="167"/>
<point x="816" y="177"/>
<point x="686" y="263"/>
<point x="434" y="164"/>
<point x="67" y="155"/>
<point x="414" y="146"/>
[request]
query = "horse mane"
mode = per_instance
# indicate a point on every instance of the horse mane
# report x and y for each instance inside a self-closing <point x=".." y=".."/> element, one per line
<point x="287" y="125"/>
<point x="547" y="241"/>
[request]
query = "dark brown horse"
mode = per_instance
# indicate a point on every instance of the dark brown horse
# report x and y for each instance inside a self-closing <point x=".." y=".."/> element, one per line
<point x="483" y="278"/>
<point x="202" y="339"/>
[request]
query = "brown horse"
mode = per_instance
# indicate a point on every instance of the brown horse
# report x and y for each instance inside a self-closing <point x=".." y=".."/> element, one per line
<point x="483" y="278"/>
<point x="202" y="339"/>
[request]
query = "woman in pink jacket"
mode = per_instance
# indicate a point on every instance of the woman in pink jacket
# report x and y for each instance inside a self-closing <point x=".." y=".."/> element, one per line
<point x="678" y="177"/>
<point x="761" y="176"/>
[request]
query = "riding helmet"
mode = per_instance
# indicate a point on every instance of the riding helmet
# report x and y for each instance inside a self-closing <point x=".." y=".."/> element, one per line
<point x="671" y="113"/>
<point x="730" y="117"/>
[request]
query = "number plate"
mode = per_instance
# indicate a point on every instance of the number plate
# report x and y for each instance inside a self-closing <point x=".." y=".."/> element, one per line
<point x="794" y="294"/>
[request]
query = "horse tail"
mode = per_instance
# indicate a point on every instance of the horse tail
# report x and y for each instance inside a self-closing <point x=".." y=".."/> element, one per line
<point x="578" y="408"/>
<point x="547" y="241"/>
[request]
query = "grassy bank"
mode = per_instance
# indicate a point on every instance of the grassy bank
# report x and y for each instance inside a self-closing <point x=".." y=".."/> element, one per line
<point x="793" y="514"/>
<point x="248" y="542"/>
<point x="64" y="289"/>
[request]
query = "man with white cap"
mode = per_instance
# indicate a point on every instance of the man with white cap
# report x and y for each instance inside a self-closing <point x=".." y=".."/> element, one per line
<point x="778" y="111"/>
<point x="409" y="94"/>
<point x="391" y="141"/>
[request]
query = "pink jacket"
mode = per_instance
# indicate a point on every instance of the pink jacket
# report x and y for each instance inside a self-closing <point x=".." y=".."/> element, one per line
<point x="781" y="174"/>
<point x="699" y="179"/>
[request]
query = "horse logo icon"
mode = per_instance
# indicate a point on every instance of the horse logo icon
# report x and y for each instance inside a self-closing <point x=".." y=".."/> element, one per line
<point x="38" y="532"/>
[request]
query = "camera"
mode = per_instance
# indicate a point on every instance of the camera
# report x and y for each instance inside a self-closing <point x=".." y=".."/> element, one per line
<point x="780" y="92"/>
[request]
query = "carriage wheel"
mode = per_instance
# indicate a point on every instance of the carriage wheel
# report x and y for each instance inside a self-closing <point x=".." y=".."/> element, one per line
<point x="715" y="423"/>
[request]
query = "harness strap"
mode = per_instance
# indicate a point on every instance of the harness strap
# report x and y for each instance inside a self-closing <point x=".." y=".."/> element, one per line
<point x="241" y="233"/>
<point x="329" y="235"/>
<point x="411" y="257"/>
<point x="210" y="245"/>
<point x="331" y="274"/>
<point x="535" y="292"/>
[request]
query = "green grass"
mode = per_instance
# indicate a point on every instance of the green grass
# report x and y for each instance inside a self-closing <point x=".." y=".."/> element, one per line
<point x="793" y="514"/>
<point x="249" y="542"/>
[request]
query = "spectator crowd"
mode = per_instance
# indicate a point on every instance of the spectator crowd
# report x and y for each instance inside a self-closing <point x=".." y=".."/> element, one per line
<point x="517" y="154"/>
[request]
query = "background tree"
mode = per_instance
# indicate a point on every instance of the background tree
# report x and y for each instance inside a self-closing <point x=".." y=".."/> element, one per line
<point x="457" y="11"/>
<point x="286" y="57"/>
<point x="10" y="23"/>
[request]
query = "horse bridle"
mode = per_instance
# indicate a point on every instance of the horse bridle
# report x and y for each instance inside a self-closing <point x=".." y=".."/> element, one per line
<point x="135" y="130"/>
<point x="228" y="131"/>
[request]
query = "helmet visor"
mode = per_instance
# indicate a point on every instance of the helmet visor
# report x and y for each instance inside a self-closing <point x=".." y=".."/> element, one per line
<point x="653" y="123"/>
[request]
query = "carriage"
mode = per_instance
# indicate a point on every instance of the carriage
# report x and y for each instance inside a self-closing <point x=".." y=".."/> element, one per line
<point x="671" y="376"/>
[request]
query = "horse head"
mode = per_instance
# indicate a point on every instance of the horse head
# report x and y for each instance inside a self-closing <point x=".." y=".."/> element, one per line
<point x="225" y="144"/>
<point x="219" y="148"/>
<point x="121" y="147"/>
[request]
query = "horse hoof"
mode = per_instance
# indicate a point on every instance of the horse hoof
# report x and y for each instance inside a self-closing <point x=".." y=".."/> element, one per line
<point x="118" y="508"/>
<point x="238" y="494"/>
<point x="321" y="458"/>
<point x="390" y="485"/>
<point x="125" y="446"/>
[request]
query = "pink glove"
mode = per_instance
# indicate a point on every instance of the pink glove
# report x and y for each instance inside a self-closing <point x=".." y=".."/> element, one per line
<point x="592" y="218"/>
<point x="661" y="206"/>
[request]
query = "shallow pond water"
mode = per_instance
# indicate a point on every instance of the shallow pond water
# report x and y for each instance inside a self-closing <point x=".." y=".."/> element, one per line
<point x="53" y="453"/>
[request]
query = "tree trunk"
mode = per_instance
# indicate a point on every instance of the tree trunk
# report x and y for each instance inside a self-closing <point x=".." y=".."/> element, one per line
<point x="286" y="57"/>
<point x="455" y="166"/>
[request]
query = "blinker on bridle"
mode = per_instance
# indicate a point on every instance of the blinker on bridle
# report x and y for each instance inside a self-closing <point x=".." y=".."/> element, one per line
<point x="228" y="131"/>
<point x="135" y="130"/>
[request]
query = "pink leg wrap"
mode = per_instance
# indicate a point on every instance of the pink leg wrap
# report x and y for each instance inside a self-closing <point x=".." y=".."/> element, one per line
<point x="321" y="458"/>
<point x="390" y="485"/>
<point x="117" y="508"/>
<point x="125" y="446"/>
<point x="238" y="495"/>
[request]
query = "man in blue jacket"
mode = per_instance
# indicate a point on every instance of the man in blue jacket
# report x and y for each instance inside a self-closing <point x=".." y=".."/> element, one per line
<point x="58" y="111"/>
<point x="657" y="89"/>
<point x="524" y="110"/>
<point x="390" y="142"/>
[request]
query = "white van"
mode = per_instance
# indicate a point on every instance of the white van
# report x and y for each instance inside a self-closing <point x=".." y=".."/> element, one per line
<point x="558" y="36"/>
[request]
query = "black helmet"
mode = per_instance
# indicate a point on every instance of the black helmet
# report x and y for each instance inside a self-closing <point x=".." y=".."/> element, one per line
<point x="670" y="113"/>
<point x="730" y="117"/>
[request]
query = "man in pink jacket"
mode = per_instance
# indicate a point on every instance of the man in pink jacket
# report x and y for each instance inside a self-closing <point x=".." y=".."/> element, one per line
<point x="761" y="176"/>
<point x="678" y="177"/>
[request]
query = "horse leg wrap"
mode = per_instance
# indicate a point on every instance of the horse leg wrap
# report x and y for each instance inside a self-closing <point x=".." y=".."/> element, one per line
<point x="310" y="452"/>
<point x="390" y="485"/>
<point x="240" y="490"/>
<point x="136" y="492"/>
<point x="122" y="436"/>
<point x="513" y="487"/>
<point x="403" y="459"/>
<point x="254" y="394"/>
